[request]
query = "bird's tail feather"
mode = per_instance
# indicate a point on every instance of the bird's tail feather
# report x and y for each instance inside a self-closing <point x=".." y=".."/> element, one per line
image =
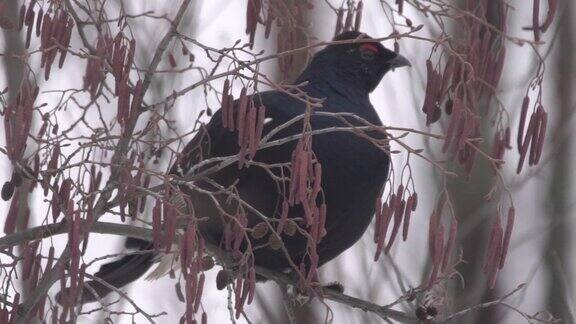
<point x="118" y="273"/>
<point x="166" y="263"/>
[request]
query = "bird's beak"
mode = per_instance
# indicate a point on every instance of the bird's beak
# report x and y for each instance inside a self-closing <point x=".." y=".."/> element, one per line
<point x="398" y="61"/>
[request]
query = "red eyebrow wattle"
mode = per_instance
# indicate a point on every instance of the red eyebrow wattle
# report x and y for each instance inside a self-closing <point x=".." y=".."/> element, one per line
<point x="371" y="47"/>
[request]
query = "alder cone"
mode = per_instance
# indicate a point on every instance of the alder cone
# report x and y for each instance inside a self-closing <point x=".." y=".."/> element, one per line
<point x="7" y="190"/>
<point x="223" y="278"/>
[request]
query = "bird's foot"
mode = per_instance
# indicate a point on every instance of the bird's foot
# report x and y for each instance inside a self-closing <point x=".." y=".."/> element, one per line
<point x="334" y="286"/>
<point x="296" y="296"/>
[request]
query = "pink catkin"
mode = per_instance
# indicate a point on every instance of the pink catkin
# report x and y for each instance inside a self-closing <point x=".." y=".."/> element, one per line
<point x="157" y="224"/>
<point x="116" y="59"/>
<point x="448" y="72"/>
<point x="453" y="125"/>
<point x="199" y="290"/>
<point x="29" y="258"/>
<point x="294" y="176"/>
<point x="260" y="124"/>
<point x="269" y="21"/>
<point x="61" y="28"/>
<point x="535" y="20"/>
<point x="432" y="228"/>
<point x="358" y="18"/>
<point x="65" y="293"/>
<point x="65" y="42"/>
<point x="450" y="244"/>
<point x="74" y="240"/>
<point x="39" y="17"/>
<point x="543" y="121"/>
<point x="398" y="215"/>
<point x="22" y="17"/>
<point x="383" y="229"/>
<point x="191" y="244"/>
<point x="123" y="101"/>
<point x="252" y="13"/>
<point x="252" y="284"/>
<point x="238" y="234"/>
<point x="13" y="312"/>
<point x="33" y="280"/>
<point x="494" y="262"/>
<point x="466" y="127"/>
<point x="170" y="222"/>
<point x="238" y="295"/>
<point x="225" y="107"/>
<point x="53" y="163"/>
<point x="507" y="236"/>
<point x="136" y="100"/>
<point x="245" y="290"/>
<point x="189" y="300"/>
<point x="10" y="222"/>
<point x="406" y="220"/>
<point x="283" y="216"/>
<point x="429" y="94"/>
<point x="53" y="35"/>
<point x="48" y="267"/>
<point x="45" y="37"/>
<point x="28" y="21"/>
<point x="80" y="281"/>
<point x="184" y="253"/>
<point x="497" y="74"/>
<point x="535" y="137"/>
<point x="302" y="180"/>
<point x="552" y="8"/>
<point x="339" y="24"/>
<point x="507" y="138"/>
<point x="378" y="217"/>
<point x="54" y="314"/>
<point x="142" y="202"/>
<point x="252" y="141"/>
<point x="348" y="21"/>
<point x="436" y="255"/>
<point x="315" y="227"/>
<point x="171" y="60"/>
<point x="494" y="244"/>
<point x="130" y="57"/>
<point x="526" y="144"/>
<point x="8" y="113"/>
<point x="231" y="109"/>
<point x="50" y="258"/>
<point x="317" y="181"/>
<point x="65" y="188"/>
<point x="241" y="116"/>
<point x="227" y="237"/>
<point x="498" y="148"/>
<point x="438" y="247"/>
<point x="322" y="221"/>
<point x="387" y="217"/>
<point x="523" y="115"/>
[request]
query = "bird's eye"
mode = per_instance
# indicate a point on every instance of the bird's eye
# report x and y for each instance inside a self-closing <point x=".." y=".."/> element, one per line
<point x="368" y="51"/>
<point x="367" y="54"/>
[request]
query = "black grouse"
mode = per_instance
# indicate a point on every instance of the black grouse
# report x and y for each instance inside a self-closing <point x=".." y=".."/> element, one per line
<point x="354" y="169"/>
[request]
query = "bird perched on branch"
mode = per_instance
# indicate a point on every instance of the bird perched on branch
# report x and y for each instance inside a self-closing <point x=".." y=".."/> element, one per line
<point x="353" y="164"/>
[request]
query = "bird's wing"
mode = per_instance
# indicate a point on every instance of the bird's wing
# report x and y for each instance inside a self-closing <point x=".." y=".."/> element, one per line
<point x="214" y="140"/>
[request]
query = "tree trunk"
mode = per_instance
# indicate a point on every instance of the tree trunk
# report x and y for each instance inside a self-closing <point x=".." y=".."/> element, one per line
<point x="560" y="185"/>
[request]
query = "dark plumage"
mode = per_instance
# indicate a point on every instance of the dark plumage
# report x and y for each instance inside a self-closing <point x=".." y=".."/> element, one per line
<point x="354" y="170"/>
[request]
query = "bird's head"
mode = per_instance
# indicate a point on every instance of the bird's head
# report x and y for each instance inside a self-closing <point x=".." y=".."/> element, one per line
<point x="364" y="63"/>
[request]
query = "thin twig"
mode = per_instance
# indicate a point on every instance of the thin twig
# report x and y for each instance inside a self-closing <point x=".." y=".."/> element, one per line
<point x="146" y="234"/>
